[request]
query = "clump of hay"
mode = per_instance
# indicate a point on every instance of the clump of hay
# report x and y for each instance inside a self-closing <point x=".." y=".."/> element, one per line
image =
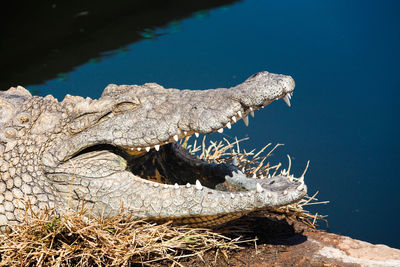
<point x="75" y="239"/>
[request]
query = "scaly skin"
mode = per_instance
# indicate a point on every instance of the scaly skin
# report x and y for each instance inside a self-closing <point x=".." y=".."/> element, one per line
<point x="120" y="151"/>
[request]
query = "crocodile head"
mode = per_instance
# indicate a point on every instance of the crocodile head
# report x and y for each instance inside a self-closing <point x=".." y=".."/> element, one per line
<point x="122" y="150"/>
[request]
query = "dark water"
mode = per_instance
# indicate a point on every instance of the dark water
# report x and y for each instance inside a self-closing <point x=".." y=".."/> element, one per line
<point x="344" y="57"/>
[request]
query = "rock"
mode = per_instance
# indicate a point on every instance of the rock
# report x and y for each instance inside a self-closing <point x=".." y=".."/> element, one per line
<point x="321" y="248"/>
<point x="287" y="242"/>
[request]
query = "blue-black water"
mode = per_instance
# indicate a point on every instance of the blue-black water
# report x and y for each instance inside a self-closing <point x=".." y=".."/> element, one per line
<point x="344" y="57"/>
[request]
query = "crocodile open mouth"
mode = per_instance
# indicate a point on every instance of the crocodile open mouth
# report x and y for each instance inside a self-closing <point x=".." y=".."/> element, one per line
<point x="170" y="163"/>
<point x="131" y="156"/>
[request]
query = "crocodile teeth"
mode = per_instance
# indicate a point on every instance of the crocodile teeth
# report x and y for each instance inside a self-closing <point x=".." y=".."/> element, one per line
<point x="229" y="125"/>
<point x="155" y="184"/>
<point x="176" y="186"/>
<point x="188" y="185"/>
<point x="165" y="186"/>
<point x="254" y="175"/>
<point x="246" y="120"/>
<point x="300" y="187"/>
<point x="258" y="188"/>
<point x="239" y="114"/>
<point x="157" y="147"/>
<point x="176" y="138"/>
<point x="139" y="148"/>
<point x="262" y="176"/>
<point x="233" y="118"/>
<point x="198" y="185"/>
<point x="235" y="162"/>
<point x="184" y="132"/>
<point x="221" y="130"/>
<point x="148" y="149"/>
<point x="269" y="175"/>
<point x="287" y="99"/>
<point x="251" y="112"/>
<point x="196" y="134"/>
<point x="301" y="179"/>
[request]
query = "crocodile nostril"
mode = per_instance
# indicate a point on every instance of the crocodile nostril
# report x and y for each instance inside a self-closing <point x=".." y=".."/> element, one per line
<point x="272" y="182"/>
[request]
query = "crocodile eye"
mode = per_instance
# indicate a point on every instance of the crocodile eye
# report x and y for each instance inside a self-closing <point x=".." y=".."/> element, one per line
<point x="125" y="106"/>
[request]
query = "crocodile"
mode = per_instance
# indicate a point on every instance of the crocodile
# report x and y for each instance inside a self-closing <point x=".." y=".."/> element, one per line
<point x="122" y="151"/>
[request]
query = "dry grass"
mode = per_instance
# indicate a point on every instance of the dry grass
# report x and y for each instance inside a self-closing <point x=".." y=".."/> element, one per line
<point x="77" y="240"/>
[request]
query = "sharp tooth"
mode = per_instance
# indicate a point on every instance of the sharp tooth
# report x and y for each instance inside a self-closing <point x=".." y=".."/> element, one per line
<point x="139" y="148"/>
<point x="262" y="176"/>
<point x="176" y="186"/>
<point x="229" y="125"/>
<point x="239" y="114"/>
<point x="301" y="179"/>
<point x="196" y="134"/>
<point x="235" y="162"/>
<point x="285" y="192"/>
<point x="165" y="186"/>
<point x="246" y="120"/>
<point x="289" y="96"/>
<point x="198" y="185"/>
<point x="287" y="100"/>
<point x="300" y="187"/>
<point x="155" y="184"/>
<point x="148" y="149"/>
<point x="254" y="175"/>
<point x="176" y="138"/>
<point x="251" y="112"/>
<point x="220" y="130"/>
<point x="269" y="175"/>
<point x="234" y="119"/>
<point x="184" y="132"/>
<point x="188" y="185"/>
<point x="259" y="188"/>
<point x="157" y="147"/>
